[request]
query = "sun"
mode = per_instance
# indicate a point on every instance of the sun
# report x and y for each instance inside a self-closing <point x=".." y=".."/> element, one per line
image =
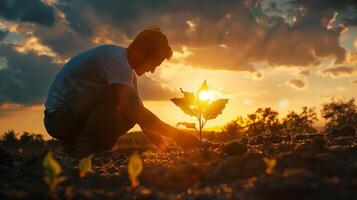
<point x="205" y="95"/>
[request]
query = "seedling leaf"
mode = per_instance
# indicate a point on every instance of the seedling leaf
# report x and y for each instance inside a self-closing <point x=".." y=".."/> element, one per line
<point x="135" y="167"/>
<point x="202" y="103"/>
<point x="186" y="103"/>
<point x="52" y="172"/>
<point x="271" y="164"/>
<point x="214" y="109"/>
<point x="85" y="166"/>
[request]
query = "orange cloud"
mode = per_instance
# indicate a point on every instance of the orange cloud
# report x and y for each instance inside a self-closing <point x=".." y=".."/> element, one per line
<point x="296" y="84"/>
<point x="335" y="72"/>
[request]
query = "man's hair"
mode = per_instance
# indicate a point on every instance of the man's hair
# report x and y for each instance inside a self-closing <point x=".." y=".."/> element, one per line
<point x="152" y="42"/>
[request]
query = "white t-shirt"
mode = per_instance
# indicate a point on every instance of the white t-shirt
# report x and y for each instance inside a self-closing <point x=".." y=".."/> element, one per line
<point x="89" y="71"/>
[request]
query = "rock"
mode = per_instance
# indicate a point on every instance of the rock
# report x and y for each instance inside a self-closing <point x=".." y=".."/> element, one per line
<point x="235" y="148"/>
<point x="275" y="139"/>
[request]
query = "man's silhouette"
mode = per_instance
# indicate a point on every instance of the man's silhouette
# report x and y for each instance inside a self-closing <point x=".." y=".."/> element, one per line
<point x="93" y="99"/>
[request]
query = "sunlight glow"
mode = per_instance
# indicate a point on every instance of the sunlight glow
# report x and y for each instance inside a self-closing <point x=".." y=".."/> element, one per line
<point x="205" y="95"/>
<point x="283" y="103"/>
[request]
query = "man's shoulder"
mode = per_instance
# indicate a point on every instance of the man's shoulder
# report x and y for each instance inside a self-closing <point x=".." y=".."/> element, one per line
<point x="110" y="47"/>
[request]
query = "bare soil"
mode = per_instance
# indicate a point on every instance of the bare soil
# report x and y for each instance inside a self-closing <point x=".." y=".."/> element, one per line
<point x="312" y="167"/>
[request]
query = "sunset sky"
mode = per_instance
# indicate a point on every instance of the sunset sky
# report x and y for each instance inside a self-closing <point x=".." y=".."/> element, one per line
<point x="283" y="54"/>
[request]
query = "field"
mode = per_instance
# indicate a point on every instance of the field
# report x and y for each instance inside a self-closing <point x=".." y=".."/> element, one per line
<point x="311" y="166"/>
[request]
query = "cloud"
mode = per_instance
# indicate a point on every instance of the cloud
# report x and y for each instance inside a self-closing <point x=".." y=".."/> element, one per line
<point x="62" y="40"/>
<point x="34" y="11"/>
<point x="150" y="89"/>
<point x="351" y="21"/>
<point x="205" y="27"/>
<point x="257" y="75"/>
<point x="26" y="78"/>
<point x="339" y="71"/>
<point x="354" y="81"/>
<point x="296" y="84"/>
<point x="347" y="8"/>
<point x="3" y="34"/>
<point x="304" y="73"/>
<point x="221" y="36"/>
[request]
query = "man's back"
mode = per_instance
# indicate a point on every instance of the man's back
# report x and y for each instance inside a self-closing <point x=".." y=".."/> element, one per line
<point x="89" y="71"/>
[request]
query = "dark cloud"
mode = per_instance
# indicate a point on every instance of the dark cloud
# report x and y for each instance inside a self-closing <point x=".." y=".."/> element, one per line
<point x="351" y="21"/>
<point x="27" y="11"/>
<point x="3" y="34"/>
<point x="347" y="8"/>
<point x="296" y="83"/>
<point x="26" y="78"/>
<point x="241" y="26"/>
<point x="150" y="89"/>
<point x="62" y="40"/>
<point x="339" y="71"/>
<point x="319" y="5"/>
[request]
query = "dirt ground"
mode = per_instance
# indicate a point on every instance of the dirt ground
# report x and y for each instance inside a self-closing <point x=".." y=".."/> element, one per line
<point x="310" y="167"/>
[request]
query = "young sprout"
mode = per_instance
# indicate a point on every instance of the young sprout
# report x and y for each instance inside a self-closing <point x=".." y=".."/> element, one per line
<point x="85" y="165"/>
<point x="200" y="105"/>
<point x="52" y="172"/>
<point x="271" y="164"/>
<point x="135" y="167"/>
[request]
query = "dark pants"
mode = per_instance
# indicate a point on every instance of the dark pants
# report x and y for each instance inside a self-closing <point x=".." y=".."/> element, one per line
<point x="92" y="123"/>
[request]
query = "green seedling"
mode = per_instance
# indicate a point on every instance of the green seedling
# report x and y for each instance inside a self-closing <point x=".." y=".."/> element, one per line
<point x="200" y="105"/>
<point x="135" y="167"/>
<point x="85" y="166"/>
<point x="271" y="164"/>
<point x="53" y="172"/>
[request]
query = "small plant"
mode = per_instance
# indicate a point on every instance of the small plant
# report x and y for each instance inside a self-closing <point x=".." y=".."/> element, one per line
<point x="52" y="172"/>
<point x="199" y="105"/>
<point x="85" y="166"/>
<point x="271" y="164"/>
<point x="135" y="167"/>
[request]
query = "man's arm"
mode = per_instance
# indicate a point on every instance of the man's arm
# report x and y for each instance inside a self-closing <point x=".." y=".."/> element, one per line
<point x="135" y="110"/>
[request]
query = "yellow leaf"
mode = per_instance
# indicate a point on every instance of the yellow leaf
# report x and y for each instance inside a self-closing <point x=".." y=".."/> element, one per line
<point x="202" y="97"/>
<point x="85" y="166"/>
<point x="52" y="167"/>
<point x="271" y="164"/>
<point x="203" y="87"/>
<point x="52" y="172"/>
<point x="214" y="109"/>
<point x="186" y="103"/>
<point x="135" y="167"/>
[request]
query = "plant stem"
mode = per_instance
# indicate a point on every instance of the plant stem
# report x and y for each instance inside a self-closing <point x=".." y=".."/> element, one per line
<point x="200" y="124"/>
